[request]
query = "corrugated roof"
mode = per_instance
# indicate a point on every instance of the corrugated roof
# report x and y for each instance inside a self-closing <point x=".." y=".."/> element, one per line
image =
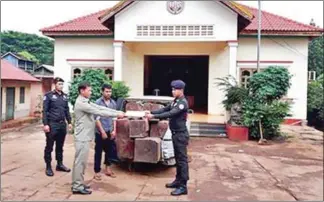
<point x="10" y="72"/>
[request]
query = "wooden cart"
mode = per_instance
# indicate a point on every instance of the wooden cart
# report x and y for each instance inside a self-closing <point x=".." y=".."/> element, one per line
<point x="141" y="140"/>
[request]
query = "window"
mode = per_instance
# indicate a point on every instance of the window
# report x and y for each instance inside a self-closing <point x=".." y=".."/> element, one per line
<point x="76" y="72"/>
<point x="22" y="95"/>
<point x="175" y="30"/>
<point x="21" y="64"/>
<point x="245" y="76"/>
<point x="109" y="74"/>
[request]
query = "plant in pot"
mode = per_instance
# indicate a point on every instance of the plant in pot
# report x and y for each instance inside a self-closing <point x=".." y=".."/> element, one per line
<point x="235" y="96"/>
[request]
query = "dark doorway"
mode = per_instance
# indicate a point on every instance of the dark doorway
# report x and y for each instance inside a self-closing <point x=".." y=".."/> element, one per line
<point x="10" y="103"/>
<point x="193" y="70"/>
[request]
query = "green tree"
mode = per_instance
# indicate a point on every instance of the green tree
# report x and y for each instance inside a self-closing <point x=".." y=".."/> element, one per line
<point x="40" y="47"/>
<point x="315" y="55"/>
<point x="315" y="103"/>
<point x="96" y="78"/>
<point x="263" y="110"/>
<point x="28" y="56"/>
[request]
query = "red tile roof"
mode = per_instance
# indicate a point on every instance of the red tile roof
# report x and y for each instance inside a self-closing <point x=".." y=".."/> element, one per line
<point x="271" y="24"/>
<point x="277" y="24"/>
<point x="10" y="72"/>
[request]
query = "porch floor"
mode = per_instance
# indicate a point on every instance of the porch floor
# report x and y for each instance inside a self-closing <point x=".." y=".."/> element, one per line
<point x="205" y="118"/>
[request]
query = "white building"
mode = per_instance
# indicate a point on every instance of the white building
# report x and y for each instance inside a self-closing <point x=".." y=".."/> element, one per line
<point x="149" y="43"/>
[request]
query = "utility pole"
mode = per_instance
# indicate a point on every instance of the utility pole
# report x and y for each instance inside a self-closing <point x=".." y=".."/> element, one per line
<point x="259" y="35"/>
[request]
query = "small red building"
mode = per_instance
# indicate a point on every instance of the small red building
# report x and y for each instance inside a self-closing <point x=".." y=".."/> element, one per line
<point x="21" y="93"/>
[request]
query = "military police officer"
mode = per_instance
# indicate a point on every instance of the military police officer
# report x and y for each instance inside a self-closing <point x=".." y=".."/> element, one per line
<point x="177" y="111"/>
<point x="55" y="114"/>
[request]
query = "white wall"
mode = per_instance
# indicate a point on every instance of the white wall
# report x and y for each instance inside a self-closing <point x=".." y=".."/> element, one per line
<point x="79" y="48"/>
<point x="218" y="68"/>
<point x="194" y="13"/>
<point x="21" y="109"/>
<point x="283" y="49"/>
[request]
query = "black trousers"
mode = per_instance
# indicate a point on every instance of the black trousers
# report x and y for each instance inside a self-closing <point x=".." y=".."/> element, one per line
<point x="56" y="135"/>
<point x="109" y="147"/>
<point x="180" y="140"/>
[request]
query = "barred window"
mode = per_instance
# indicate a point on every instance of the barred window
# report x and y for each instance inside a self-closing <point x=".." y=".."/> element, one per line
<point x="109" y="74"/>
<point x="245" y="75"/>
<point x="76" y="72"/>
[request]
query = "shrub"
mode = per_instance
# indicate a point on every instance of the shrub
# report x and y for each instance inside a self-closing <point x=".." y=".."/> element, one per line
<point x="96" y="78"/>
<point x="315" y="103"/>
<point x="263" y="111"/>
<point x="258" y="107"/>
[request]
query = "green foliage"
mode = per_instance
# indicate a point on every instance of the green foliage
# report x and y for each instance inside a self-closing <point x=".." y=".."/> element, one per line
<point x="271" y="84"/>
<point x="270" y="115"/>
<point x="40" y="47"/>
<point x="260" y="102"/>
<point x="28" y="56"/>
<point x="315" y="103"/>
<point x="96" y="78"/>
<point x="264" y="105"/>
<point x="234" y="94"/>
<point x="315" y="55"/>
<point x="120" y="90"/>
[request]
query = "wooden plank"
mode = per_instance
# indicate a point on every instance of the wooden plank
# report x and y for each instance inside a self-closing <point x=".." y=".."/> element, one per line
<point x="147" y="150"/>
<point x="138" y="128"/>
<point x="159" y="129"/>
<point x="134" y="106"/>
<point x="124" y="144"/>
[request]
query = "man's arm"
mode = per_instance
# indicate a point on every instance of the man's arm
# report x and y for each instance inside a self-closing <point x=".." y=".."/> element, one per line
<point x="92" y="108"/>
<point x="164" y="109"/>
<point x="67" y="113"/>
<point x="174" y="111"/>
<point x="46" y="102"/>
<point x="101" y="129"/>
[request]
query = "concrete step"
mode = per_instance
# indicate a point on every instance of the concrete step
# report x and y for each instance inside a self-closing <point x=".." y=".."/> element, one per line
<point x="207" y="130"/>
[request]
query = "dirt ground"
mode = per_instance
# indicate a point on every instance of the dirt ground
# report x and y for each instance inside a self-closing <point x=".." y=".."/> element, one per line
<point x="219" y="170"/>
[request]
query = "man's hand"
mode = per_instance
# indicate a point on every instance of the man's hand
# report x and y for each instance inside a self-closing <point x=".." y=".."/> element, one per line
<point x="149" y="116"/>
<point x="121" y="115"/>
<point x="104" y="135"/>
<point x="70" y="127"/>
<point x="46" y="129"/>
<point x="112" y="135"/>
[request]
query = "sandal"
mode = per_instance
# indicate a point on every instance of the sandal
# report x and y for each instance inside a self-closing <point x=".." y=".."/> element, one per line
<point x="97" y="177"/>
<point x="112" y="175"/>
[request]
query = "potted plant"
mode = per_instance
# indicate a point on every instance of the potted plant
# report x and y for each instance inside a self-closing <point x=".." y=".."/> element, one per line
<point x="235" y="95"/>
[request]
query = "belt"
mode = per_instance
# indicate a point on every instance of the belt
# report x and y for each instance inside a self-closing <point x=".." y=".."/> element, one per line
<point x="58" y="121"/>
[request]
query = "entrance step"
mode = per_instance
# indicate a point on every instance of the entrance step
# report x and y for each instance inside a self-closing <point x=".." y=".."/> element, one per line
<point x="207" y="130"/>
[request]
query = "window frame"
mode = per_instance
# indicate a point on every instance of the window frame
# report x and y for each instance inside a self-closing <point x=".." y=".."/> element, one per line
<point x="22" y="97"/>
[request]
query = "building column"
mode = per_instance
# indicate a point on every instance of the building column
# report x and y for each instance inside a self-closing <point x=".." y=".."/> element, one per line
<point x="118" y="60"/>
<point x="232" y="70"/>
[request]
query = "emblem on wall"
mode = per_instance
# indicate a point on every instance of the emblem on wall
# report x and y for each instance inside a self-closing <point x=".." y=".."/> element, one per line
<point x="175" y="7"/>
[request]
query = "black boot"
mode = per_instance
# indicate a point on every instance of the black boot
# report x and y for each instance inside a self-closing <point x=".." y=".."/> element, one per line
<point x="180" y="191"/>
<point x="174" y="184"/>
<point x="49" y="171"/>
<point x="61" y="167"/>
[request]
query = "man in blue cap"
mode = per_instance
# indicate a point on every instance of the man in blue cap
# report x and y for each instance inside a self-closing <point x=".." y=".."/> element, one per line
<point x="177" y="112"/>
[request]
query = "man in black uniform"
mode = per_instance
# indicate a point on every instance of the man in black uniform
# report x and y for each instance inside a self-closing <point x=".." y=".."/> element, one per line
<point x="177" y="111"/>
<point x="55" y="114"/>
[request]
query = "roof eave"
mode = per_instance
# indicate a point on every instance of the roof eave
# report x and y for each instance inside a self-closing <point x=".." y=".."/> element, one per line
<point x="282" y="33"/>
<point x="77" y="33"/>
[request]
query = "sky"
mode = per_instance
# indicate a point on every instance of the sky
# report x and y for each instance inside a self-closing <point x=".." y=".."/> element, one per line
<point x="30" y="16"/>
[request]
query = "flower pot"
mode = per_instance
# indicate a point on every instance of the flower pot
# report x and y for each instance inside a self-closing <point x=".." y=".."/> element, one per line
<point x="237" y="133"/>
